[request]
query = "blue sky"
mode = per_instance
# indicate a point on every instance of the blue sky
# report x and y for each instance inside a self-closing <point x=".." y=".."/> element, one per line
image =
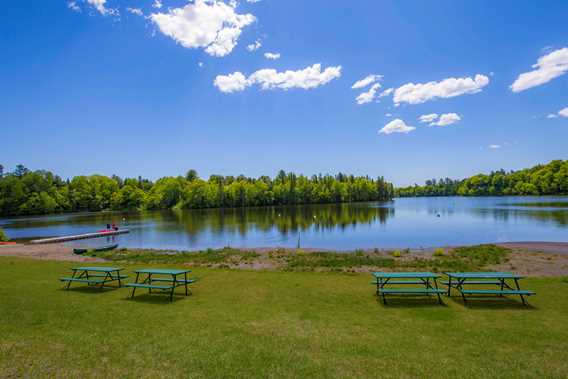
<point x="124" y="87"/>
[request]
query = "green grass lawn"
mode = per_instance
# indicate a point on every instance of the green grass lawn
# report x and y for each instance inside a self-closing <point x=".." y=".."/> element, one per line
<point x="271" y="324"/>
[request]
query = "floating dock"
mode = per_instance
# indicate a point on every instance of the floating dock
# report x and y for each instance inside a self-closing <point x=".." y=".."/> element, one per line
<point x="80" y="236"/>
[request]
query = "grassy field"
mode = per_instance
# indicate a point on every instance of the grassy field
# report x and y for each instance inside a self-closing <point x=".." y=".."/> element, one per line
<point x="469" y="258"/>
<point x="241" y="323"/>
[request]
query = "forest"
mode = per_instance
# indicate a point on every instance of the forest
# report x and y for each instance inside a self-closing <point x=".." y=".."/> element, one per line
<point x="547" y="179"/>
<point x="27" y="192"/>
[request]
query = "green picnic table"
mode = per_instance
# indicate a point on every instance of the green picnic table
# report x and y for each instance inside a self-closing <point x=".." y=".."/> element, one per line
<point x="92" y="275"/>
<point x="426" y="281"/>
<point x="167" y="280"/>
<point x="502" y="280"/>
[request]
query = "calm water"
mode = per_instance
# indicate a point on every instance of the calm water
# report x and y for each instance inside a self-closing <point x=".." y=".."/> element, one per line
<point x="409" y="222"/>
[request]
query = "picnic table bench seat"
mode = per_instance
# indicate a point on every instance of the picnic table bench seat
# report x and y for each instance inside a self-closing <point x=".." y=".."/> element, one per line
<point x="475" y="282"/>
<point x="432" y="291"/>
<point x="498" y="292"/>
<point x="81" y="280"/>
<point x="375" y="282"/>
<point x="181" y="281"/>
<point x="150" y="286"/>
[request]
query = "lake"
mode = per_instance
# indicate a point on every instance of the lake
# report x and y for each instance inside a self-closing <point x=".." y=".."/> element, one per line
<point x="403" y="222"/>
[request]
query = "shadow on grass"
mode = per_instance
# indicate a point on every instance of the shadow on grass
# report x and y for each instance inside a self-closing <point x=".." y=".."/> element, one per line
<point x="156" y="298"/>
<point x="411" y="302"/>
<point x="493" y="303"/>
<point x="91" y="289"/>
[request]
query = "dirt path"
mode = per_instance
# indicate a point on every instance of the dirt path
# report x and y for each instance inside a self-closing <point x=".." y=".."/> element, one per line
<point x="54" y="252"/>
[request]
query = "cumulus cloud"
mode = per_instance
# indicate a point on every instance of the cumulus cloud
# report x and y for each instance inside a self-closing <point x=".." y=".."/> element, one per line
<point x="100" y="6"/>
<point x="272" y="56"/>
<point x="551" y="115"/>
<point x="212" y="25"/>
<point x="563" y="112"/>
<point x="310" y="77"/>
<point x="73" y="5"/>
<point x="428" y="117"/>
<point x="369" y="79"/>
<point x="367" y="97"/>
<point x="386" y="92"/>
<point x="231" y="83"/>
<point x="396" y="126"/>
<point x="446" y="119"/>
<point x="548" y="67"/>
<point x="136" y="11"/>
<point x="494" y="146"/>
<point x="254" y="46"/>
<point x="157" y="4"/>
<point x="420" y="93"/>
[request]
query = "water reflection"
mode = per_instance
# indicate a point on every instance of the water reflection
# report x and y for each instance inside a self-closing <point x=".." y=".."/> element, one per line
<point x="410" y="222"/>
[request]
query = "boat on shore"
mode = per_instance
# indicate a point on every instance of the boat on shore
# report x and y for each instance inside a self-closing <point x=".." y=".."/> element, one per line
<point x="80" y="251"/>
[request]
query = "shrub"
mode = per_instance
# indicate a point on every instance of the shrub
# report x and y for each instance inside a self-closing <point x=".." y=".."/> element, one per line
<point x="3" y="236"/>
<point x="439" y="252"/>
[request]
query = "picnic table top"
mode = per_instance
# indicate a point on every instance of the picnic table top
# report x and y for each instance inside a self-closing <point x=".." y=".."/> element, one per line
<point x="388" y="275"/>
<point x="483" y="275"/>
<point x="164" y="271"/>
<point x="98" y="269"/>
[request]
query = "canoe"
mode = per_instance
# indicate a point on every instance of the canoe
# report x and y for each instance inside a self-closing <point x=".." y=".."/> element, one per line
<point x="80" y="251"/>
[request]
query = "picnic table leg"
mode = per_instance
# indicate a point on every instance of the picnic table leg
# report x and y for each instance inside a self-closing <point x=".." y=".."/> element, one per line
<point x="173" y="288"/>
<point x="118" y="277"/>
<point x="437" y="293"/>
<point x="69" y="282"/>
<point x="185" y="278"/>
<point x="449" y="286"/>
<point x="519" y="288"/>
<point x="460" y="287"/>
<point x="150" y="282"/>
<point x="134" y="288"/>
<point x="104" y="280"/>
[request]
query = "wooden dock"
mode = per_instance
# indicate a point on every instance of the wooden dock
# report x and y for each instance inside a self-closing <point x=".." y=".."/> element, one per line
<point x="80" y="236"/>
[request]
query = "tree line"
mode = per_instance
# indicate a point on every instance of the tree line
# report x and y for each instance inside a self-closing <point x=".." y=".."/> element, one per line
<point x="27" y="192"/>
<point x="547" y="179"/>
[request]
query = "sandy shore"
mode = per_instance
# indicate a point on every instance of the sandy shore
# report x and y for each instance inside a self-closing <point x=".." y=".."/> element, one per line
<point x="526" y="258"/>
<point x="53" y="252"/>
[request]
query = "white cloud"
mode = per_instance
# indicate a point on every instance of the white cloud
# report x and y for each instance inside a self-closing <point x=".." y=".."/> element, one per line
<point x="232" y="82"/>
<point x="252" y="1"/>
<point x="396" y="126"/>
<point x="73" y="5"/>
<point x="446" y="119"/>
<point x="254" y="46"/>
<point x="310" y="77"/>
<point x="552" y="115"/>
<point x="547" y="67"/>
<point x="369" y="79"/>
<point x="494" y="146"/>
<point x="99" y="5"/>
<point x="136" y="11"/>
<point x="386" y="92"/>
<point x="428" y="117"/>
<point x="272" y="56"/>
<point x="388" y="115"/>
<point x="157" y="4"/>
<point x="419" y="93"/>
<point x="367" y="97"/>
<point x="563" y="112"/>
<point x="212" y="25"/>
<point x="200" y="64"/>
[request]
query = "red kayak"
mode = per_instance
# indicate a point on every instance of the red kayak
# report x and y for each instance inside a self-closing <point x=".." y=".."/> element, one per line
<point x="8" y="243"/>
